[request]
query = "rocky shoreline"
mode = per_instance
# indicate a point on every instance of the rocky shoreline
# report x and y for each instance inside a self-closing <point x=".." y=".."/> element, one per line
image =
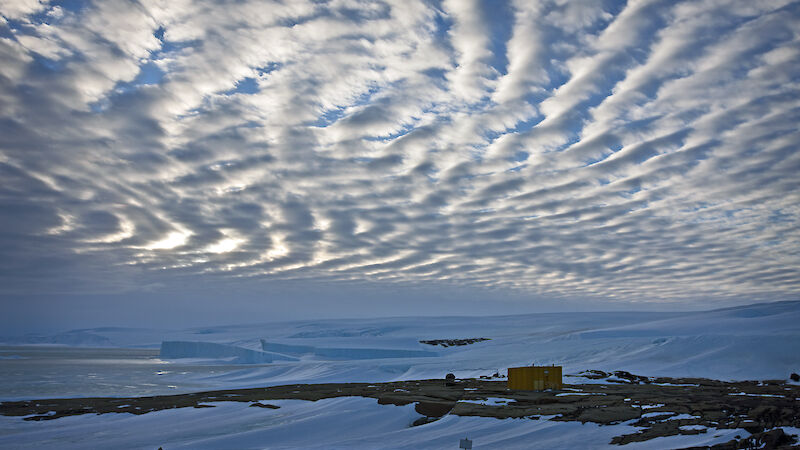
<point x="657" y="406"/>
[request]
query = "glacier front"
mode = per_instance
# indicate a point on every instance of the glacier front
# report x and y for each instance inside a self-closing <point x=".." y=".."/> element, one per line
<point x="211" y="350"/>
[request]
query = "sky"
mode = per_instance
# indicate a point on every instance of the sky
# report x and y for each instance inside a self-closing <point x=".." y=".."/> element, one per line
<point x="176" y="161"/>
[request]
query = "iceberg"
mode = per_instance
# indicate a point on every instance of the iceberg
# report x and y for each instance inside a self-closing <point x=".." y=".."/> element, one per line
<point x="211" y="350"/>
<point x="344" y="353"/>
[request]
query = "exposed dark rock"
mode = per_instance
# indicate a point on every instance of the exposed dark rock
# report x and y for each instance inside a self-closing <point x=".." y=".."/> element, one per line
<point x="264" y="405"/>
<point x="453" y="342"/>
<point x="434" y="409"/>
<point x="769" y="440"/>
<point x="631" y="378"/>
<point x="424" y="420"/>
<point x="609" y="415"/>
<point x="591" y="374"/>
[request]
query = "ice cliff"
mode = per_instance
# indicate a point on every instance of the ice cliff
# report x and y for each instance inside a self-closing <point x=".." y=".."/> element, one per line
<point x="344" y="353"/>
<point x="210" y="350"/>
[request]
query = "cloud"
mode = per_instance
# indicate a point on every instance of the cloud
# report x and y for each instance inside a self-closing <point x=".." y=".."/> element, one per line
<point x="639" y="151"/>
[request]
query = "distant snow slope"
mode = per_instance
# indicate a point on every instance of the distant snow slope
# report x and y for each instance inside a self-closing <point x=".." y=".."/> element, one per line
<point x="758" y="341"/>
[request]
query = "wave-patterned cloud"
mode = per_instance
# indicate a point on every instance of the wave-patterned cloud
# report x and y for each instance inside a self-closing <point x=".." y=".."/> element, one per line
<point x="639" y="150"/>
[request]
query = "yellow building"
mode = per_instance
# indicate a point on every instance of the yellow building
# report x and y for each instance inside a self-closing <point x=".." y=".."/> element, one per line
<point x="534" y="378"/>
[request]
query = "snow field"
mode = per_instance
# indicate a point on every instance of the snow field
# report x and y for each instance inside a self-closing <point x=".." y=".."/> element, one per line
<point x="341" y="423"/>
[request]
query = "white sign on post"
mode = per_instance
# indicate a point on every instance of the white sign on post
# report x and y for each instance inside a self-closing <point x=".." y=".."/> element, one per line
<point x="465" y="443"/>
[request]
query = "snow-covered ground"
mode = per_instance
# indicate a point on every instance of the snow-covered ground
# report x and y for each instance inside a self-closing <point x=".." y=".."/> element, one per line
<point x="342" y="423"/>
<point x="750" y="342"/>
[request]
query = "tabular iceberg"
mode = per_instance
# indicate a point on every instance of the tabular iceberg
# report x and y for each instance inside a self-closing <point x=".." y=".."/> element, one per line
<point x="211" y="350"/>
<point x="345" y="353"/>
